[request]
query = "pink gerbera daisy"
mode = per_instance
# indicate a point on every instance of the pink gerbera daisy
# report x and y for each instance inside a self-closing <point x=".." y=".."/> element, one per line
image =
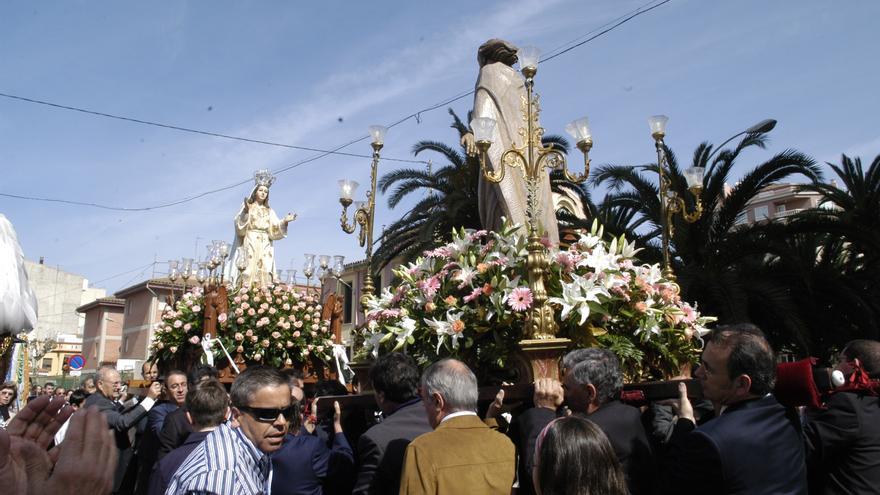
<point x="520" y="299"/>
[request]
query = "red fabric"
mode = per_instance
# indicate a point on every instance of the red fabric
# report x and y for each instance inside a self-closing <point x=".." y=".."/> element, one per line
<point x="795" y="385"/>
<point x="633" y="397"/>
<point x="859" y="381"/>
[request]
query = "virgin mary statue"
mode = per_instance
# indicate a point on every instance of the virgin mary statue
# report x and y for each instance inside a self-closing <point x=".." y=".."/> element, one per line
<point x="256" y="227"/>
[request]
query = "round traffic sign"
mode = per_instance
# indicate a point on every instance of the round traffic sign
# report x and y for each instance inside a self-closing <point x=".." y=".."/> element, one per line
<point x="76" y="362"/>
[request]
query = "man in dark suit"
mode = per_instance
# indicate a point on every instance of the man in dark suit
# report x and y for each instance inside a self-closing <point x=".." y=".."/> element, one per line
<point x="462" y="454"/>
<point x="176" y="428"/>
<point x="843" y="439"/>
<point x="120" y="420"/>
<point x="754" y="445"/>
<point x="395" y="379"/>
<point x="591" y="387"/>
<point x="207" y="406"/>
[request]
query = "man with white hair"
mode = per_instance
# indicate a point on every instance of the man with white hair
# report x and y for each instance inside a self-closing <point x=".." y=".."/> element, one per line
<point x="462" y="454"/>
<point x="120" y="420"/>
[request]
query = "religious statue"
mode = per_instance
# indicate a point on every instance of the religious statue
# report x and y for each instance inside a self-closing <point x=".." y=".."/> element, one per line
<point x="256" y="227"/>
<point x="501" y="95"/>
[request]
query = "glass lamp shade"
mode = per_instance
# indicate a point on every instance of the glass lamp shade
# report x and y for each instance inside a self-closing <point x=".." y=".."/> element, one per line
<point x="187" y="270"/>
<point x="347" y="188"/>
<point x="202" y="273"/>
<point x="579" y="129"/>
<point x="483" y="128"/>
<point x="310" y="261"/>
<point x="658" y="124"/>
<point x="324" y="261"/>
<point x="528" y="56"/>
<point x="338" y="264"/>
<point x="291" y="277"/>
<point x="173" y="270"/>
<point x="377" y="132"/>
<point x="694" y="176"/>
<point x="224" y="249"/>
<point x="241" y="258"/>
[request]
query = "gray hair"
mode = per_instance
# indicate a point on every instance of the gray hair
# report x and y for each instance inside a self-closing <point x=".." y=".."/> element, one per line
<point x="454" y="381"/>
<point x="573" y="358"/>
<point x="600" y="368"/>
<point x="101" y="374"/>
<point x="253" y="379"/>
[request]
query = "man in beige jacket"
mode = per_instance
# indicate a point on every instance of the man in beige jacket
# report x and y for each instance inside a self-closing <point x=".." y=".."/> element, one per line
<point x="462" y="454"/>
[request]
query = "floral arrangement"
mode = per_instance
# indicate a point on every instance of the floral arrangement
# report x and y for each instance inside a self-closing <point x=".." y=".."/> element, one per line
<point x="276" y="325"/>
<point x="470" y="299"/>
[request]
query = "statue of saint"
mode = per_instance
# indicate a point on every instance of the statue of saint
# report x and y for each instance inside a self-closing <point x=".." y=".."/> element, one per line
<point x="256" y="227"/>
<point x="501" y="95"/>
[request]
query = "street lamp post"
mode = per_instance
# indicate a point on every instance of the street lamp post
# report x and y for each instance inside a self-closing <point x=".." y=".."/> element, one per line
<point x="364" y="210"/>
<point x="533" y="158"/>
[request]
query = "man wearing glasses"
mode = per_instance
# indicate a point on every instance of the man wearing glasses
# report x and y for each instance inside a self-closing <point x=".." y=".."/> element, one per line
<point x="233" y="459"/>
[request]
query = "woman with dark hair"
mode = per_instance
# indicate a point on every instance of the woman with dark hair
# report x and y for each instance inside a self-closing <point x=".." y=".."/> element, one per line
<point x="8" y="393"/>
<point x="574" y="457"/>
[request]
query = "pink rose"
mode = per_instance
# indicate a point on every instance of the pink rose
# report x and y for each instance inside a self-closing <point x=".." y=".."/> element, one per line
<point x="289" y="344"/>
<point x="251" y="312"/>
<point x="265" y="343"/>
<point x="187" y="327"/>
<point x="159" y="345"/>
<point x="286" y="307"/>
<point x="173" y="349"/>
<point x="239" y="336"/>
<point x="296" y="334"/>
<point x="276" y="335"/>
<point x="288" y="362"/>
<point x="194" y="339"/>
<point x="240" y="320"/>
<point x="258" y="357"/>
<point x="239" y="349"/>
<point x="298" y="324"/>
<point x="254" y="338"/>
<point x="245" y="305"/>
<point x="196" y="308"/>
<point x="222" y="317"/>
<point x="178" y="323"/>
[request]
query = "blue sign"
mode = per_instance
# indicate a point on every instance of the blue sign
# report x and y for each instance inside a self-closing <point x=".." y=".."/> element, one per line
<point x="76" y="362"/>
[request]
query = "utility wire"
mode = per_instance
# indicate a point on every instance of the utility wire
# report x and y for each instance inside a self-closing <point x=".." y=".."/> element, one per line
<point x="197" y="131"/>
<point x="321" y="153"/>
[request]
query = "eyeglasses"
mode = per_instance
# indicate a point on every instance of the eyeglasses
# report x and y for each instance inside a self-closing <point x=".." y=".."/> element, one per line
<point x="268" y="415"/>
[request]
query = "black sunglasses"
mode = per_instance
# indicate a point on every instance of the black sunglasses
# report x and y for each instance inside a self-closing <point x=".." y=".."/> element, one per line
<point x="269" y="415"/>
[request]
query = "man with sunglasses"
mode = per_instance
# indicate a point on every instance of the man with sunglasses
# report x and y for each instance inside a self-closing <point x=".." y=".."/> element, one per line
<point x="233" y="459"/>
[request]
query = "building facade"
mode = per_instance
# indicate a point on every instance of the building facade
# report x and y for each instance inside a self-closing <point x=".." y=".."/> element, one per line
<point x="778" y="201"/>
<point x="102" y="331"/>
<point x="52" y="363"/>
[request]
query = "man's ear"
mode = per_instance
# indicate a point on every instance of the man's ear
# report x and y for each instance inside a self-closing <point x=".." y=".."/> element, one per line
<point x="743" y="384"/>
<point x="591" y="391"/>
<point x="437" y="401"/>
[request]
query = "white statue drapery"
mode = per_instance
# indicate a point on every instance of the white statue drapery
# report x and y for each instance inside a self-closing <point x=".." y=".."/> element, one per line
<point x="256" y="228"/>
<point x="500" y="94"/>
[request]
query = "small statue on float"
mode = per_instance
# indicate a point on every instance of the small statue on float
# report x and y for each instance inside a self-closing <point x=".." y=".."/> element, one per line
<point x="256" y="228"/>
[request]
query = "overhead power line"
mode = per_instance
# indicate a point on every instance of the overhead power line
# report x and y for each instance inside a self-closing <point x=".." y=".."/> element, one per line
<point x="580" y="41"/>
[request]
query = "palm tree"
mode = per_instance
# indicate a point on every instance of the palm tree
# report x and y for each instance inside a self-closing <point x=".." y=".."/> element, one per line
<point x="450" y="203"/>
<point x="715" y="258"/>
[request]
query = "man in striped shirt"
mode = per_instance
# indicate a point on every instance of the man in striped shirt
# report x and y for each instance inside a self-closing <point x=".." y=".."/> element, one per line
<point x="233" y="459"/>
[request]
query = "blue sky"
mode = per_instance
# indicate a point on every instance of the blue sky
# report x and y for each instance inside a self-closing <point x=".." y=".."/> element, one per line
<point x="288" y="71"/>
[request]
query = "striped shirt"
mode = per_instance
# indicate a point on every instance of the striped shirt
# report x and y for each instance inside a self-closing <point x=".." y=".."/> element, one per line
<point x="226" y="463"/>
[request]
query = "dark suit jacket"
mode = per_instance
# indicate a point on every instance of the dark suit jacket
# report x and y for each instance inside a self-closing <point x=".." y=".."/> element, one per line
<point x="381" y="449"/>
<point x="621" y="423"/>
<point x="164" y="469"/>
<point x="462" y="455"/>
<point x="755" y="447"/>
<point x="305" y="466"/>
<point x="175" y="431"/>
<point x="843" y="445"/>
<point x="120" y="421"/>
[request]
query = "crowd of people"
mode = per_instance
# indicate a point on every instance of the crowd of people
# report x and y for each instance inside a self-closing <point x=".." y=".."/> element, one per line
<point x="185" y="434"/>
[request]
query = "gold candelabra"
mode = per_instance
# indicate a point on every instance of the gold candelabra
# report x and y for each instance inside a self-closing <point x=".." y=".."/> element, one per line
<point x="670" y="202"/>
<point x="533" y="158"/>
<point x="364" y="211"/>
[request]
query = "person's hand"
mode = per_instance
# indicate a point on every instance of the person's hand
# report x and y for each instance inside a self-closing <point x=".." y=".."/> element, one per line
<point x="337" y="418"/>
<point x="495" y="406"/>
<point x="548" y="393"/>
<point x="289" y="218"/>
<point x="468" y="143"/>
<point x="683" y="407"/>
<point x="312" y="421"/>
<point x="83" y="463"/>
<point x="155" y="390"/>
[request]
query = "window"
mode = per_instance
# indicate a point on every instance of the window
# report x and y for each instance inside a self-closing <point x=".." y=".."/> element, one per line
<point x="47" y="363"/>
<point x="762" y="213"/>
<point x="780" y="208"/>
<point x="742" y="218"/>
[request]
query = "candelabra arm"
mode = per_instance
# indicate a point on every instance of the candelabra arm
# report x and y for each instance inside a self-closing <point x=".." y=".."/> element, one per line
<point x="693" y="216"/>
<point x="343" y="220"/>
<point x="494" y="176"/>
<point x="363" y="218"/>
<point x="585" y="147"/>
